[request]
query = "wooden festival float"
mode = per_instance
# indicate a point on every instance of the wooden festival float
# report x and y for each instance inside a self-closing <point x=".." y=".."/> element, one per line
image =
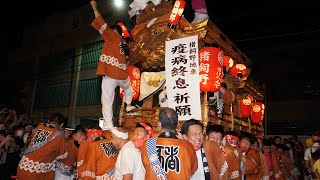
<point x="243" y="98"/>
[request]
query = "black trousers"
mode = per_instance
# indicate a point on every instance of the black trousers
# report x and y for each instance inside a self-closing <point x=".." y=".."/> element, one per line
<point x="4" y="171"/>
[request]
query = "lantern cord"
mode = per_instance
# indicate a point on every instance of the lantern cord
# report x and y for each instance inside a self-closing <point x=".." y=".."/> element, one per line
<point x="191" y="26"/>
<point x="168" y="37"/>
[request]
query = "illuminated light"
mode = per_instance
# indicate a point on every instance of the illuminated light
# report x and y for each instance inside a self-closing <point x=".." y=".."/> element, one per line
<point x="227" y="62"/>
<point x="238" y="69"/>
<point x="176" y="13"/>
<point x="257" y="112"/>
<point x="118" y="3"/>
<point x="210" y="68"/>
<point x="246" y="105"/>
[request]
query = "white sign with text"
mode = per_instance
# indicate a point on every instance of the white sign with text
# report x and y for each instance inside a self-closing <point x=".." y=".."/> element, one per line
<point x="182" y="77"/>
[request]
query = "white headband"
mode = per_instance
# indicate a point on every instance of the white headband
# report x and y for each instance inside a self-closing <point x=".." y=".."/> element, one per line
<point x="119" y="134"/>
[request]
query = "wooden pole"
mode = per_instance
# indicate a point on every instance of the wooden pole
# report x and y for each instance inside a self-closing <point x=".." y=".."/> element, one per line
<point x="205" y="111"/>
<point x="249" y="121"/>
<point x="121" y="114"/>
<point x="232" y="117"/>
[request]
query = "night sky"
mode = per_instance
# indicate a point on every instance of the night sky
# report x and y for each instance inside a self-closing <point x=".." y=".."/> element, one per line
<point x="282" y="39"/>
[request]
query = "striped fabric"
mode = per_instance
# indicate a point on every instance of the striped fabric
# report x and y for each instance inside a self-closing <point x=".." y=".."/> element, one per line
<point x="154" y="160"/>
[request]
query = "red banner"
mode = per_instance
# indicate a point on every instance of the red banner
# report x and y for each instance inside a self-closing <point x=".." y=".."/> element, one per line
<point x="134" y="74"/>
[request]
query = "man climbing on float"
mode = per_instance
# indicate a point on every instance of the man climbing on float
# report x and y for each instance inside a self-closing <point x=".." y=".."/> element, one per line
<point x="112" y="66"/>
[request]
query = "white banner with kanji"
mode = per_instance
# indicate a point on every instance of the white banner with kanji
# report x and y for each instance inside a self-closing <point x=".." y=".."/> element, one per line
<point x="182" y="77"/>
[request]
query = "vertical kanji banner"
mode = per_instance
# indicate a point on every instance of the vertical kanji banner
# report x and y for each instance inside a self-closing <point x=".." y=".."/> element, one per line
<point x="182" y="77"/>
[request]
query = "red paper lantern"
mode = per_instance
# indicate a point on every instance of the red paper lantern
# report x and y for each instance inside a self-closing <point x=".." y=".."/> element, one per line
<point x="257" y="112"/>
<point x="238" y="69"/>
<point x="246" y="106"/>
<point x="227" y="62"/>
<point x="210" y="65"/>
<point x="134" y="74"/>
<point x="125" y="32"/>
<point x="176" y="13"/>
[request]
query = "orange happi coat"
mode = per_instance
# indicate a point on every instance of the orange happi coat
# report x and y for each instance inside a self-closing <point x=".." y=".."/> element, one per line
<point x="40" y="164"/>
<point x="70" y="162"/>
<point x="218" y="165"/>
<point x="233" y="157"/>
<point x="177" y="157"/>
<point x="80" y="157"/>
<point x="112" y="60"/>
<point x="100" y="159"/>
<point x="264" y="167"/>
<point x="253" y="165"/>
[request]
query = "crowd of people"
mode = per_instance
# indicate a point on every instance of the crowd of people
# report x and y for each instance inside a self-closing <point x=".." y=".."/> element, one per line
<point x="15" y="135"/>
<point x="51" y="151"/>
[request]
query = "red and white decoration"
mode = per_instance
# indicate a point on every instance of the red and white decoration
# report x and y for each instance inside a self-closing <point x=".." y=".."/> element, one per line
<point x="176" y="13"/>
<point x="228" y="62"/>
<point x="257" y="112"/>
<point x="238" y="69"/>
<point x="135" y="76"/>
<point x="125" y="32"/>
<point x="211" y="68"/>
<point x="246" y="106"/>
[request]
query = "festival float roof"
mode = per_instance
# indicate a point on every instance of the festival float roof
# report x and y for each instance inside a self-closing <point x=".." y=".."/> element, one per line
<point x="148" y="53"/>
